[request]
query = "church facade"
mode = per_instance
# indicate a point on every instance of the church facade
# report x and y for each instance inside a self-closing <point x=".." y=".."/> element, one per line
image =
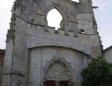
<point x="39" y="55"/>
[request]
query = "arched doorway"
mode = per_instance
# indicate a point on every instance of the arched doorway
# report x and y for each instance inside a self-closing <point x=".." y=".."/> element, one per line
<point x="58" y="74"/>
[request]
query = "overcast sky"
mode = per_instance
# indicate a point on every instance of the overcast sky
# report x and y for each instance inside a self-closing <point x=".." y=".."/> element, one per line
<point x="103" y="17"/>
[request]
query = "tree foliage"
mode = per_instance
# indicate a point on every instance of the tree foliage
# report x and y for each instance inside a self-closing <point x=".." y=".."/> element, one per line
<point x="98" y="73"/>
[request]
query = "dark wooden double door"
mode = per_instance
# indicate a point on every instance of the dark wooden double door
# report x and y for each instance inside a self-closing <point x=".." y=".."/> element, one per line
<point x="56" y="83"/>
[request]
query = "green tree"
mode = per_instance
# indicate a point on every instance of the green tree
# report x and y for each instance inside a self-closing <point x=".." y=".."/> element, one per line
<point x="98" y="73"/>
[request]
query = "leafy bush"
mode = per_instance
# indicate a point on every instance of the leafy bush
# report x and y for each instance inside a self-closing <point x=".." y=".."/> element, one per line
<point x="98" y="73"/>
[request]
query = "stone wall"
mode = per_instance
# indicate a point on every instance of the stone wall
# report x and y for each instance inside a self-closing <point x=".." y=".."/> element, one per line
<point x="108" y="54"/>
<point x="2" y="53"/>
<point x="45" y="61"/>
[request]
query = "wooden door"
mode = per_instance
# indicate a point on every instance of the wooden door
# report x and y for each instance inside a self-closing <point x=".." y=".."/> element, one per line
<point x="50" y="83"/>
<point x="63" y="83"/>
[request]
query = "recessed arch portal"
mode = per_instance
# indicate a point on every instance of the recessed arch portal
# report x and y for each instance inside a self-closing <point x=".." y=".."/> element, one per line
<point x="58" y="73"/>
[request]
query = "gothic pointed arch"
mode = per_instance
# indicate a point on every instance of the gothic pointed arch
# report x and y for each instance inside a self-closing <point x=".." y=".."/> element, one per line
<point x="63" y="23"/>
<point x="54" y="18"/>
<point x="75" y="0"/>
<point x="59" y="68"/>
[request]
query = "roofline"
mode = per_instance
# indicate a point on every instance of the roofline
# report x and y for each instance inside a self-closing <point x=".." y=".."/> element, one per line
<point x="107" y="48"/>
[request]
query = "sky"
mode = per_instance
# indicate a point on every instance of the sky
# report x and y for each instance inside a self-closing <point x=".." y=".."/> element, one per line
<point x="103" y="17"/>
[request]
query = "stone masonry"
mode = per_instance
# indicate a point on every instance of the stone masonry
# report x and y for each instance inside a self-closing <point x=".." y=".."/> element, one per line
<point x="38" y="55"/>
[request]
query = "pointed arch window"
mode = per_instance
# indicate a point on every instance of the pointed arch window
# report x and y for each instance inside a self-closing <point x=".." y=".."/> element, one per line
<point x="75" y="0"/>
<point x="54" y="18"/>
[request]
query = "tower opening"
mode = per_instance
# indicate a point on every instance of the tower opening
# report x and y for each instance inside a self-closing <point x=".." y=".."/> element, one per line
<point x="54" y="18"/>
<point x="75" y="0"/>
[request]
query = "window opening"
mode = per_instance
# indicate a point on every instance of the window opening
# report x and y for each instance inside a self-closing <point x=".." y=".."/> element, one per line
<point x="82" y="31"/>
<point x="75" y="0"/>
<point x="54" y="18"/>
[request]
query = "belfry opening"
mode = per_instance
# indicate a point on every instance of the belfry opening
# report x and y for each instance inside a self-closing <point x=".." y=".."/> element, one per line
<point x="54" y="18"/>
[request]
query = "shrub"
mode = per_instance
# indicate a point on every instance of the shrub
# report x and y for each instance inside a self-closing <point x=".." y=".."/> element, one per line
<point x="98" y="73"/>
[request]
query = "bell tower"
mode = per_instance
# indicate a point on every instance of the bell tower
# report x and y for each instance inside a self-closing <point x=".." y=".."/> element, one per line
<point x="39" y="55"/>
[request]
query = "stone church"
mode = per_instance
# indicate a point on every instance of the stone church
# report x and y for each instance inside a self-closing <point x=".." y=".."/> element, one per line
<point x="38" y="55"/>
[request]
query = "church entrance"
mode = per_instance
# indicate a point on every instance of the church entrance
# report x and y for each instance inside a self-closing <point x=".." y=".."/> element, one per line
<point x="58" y="74"/>
<point x="56" y="83"/>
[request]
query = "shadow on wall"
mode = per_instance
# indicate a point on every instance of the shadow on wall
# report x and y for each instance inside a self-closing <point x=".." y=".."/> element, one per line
<point x="2" y="54"/>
